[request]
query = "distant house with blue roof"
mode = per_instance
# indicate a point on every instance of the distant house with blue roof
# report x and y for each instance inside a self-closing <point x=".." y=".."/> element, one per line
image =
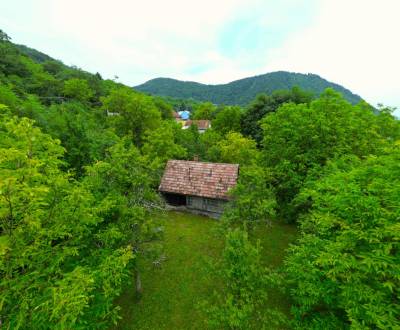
<point x="185" y="115"/>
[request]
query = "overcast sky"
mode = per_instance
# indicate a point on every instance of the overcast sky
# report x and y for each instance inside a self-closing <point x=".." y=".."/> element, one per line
<point x="355" y="43"/>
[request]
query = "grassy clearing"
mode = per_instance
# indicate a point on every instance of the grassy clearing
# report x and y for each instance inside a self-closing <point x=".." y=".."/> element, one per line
<point x="172" y="291"/>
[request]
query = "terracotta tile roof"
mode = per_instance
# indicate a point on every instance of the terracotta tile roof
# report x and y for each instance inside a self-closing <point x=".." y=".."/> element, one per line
<point x="211" y="180"/>
<point x="201" y="124"/>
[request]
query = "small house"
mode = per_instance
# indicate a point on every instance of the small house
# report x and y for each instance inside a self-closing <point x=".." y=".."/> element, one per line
<point x="185" y="115"/>
<point x="202" y="125"/>
<point x="177" y="118"/>
<point x="198" y="187"/>
<point x="176" y="115"/>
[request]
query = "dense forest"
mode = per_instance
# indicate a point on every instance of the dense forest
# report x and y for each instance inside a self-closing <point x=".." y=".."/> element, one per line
<point x="241" y="92"/>
<point x="80" y="162"/>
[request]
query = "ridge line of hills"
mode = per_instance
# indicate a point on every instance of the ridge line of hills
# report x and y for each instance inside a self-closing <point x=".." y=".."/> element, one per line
<point x="242" y="91"/>
<point x="238" y="92"/>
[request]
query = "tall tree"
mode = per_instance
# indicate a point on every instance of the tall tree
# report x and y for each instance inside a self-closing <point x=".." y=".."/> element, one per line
<point x="300" y="139"/>
<point x="132" y="113"/>
<point x="78" y="89"/>
<point x="66" y="248"/>
<point x="265" y="104"/>
<point x="227" y="120"/>
<point x="244" y="281"/>
<point x="344" y="273"/>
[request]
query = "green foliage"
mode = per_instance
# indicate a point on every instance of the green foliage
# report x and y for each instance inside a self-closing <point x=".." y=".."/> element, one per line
<point x="344" y="272"/>
<point x="52" y="259"/>
<point x="264" y="104"/>
<point x="235" y="148"/>
<point x="8" y="97"/>
<point x="227" y="120"/>
<point x="164" y="107"/>
<point x="66" y="247"/>
<point x="133" y="113"/>
<point x="3" y="36"/>
<point x="81" y="133"/>
<point x="80" y="163"/>
<point x="204" y="111"/>
<point x="190" y="140"/>
<point x="34" y="54"/>
<point x="243" y="91"/>
<point x="159" y="146"/>
<point x="77" y="89"/>
<point x="253" y="198"/>
<point x="300" y="139"/>
<point x="241" y="302"/>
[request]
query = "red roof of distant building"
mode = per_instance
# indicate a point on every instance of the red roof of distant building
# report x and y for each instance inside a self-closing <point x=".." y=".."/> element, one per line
<point x="212" y="180"/>
<point x="201" y="124"/>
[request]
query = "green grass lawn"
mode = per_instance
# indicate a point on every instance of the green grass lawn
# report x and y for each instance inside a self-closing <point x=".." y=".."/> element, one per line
<point x="171" y="292"/>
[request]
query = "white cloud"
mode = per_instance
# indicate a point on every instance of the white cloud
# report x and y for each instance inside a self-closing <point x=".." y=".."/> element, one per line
<point x="140" y="40"/>
<point x="354" y="43"/>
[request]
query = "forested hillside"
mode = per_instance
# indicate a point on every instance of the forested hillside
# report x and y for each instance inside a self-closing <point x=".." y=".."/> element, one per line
<point x="82" y="225"/>
<point x="241" y="92"/>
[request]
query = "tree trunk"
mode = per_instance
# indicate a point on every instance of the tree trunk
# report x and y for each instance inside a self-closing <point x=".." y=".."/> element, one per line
<point x="138" y="284"/>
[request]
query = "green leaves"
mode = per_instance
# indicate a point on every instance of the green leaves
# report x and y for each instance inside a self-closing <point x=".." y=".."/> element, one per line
<point x="78" y="89"/>
<point x="133" y="113"/>
<point x="237" y="149"/>
<point x="347" y="260"/>
<point x="300" y="139"/>
<point x="228" y="120"/>
<point x="66" y="247"/>
<point x="253" y="198"/>
<point x="244" y="281"/>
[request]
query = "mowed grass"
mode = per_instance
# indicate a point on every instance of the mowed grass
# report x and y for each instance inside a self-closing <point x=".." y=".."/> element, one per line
<point x="171" y="292"/>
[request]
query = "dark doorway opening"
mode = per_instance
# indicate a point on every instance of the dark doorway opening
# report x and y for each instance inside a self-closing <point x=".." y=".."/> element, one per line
<point x="175" y="199"/>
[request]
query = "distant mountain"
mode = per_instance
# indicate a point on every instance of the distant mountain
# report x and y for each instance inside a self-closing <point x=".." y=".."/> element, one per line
<point x="242" y="91"/>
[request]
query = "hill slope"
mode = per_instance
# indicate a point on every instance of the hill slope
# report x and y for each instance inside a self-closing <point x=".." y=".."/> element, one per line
<point x="244" y="90"/>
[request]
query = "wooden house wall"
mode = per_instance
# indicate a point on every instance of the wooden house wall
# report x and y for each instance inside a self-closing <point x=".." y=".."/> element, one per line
<point x="208" y="205"/>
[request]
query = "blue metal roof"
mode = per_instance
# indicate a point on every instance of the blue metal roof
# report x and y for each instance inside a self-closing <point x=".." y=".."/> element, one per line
<point x="185" y="115"/>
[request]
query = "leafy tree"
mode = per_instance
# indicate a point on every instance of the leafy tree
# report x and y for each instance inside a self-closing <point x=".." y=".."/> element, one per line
<point x="53" y="67"/>
<point x="204" y="111"/>
<point x="4" y="36"/>
<point x="300" y="139"/>
<point x="241" y="302"/>
<point x="84" y="137"/>
<point x="134" y="113"/>
<point x="124" y="181"/>
<point x="228" y="120"/>
<point x="344" y="271"/>
<point x="237" y="149"/>
<point x="67" y="248"/>
<point x="253" y="198"/>
<point x="209" y="143"/>
<point x="10" y="61"/>
<point x="78" y="89"/>
<point x="8" y="97"/>
<point x="39" y="82"/>
<point x="264" y="104"/>
<point x="164" y="107"/>
<point x="51" y="260"/>
<point x="190" y="140"/>
<point x="159" y="146"/>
